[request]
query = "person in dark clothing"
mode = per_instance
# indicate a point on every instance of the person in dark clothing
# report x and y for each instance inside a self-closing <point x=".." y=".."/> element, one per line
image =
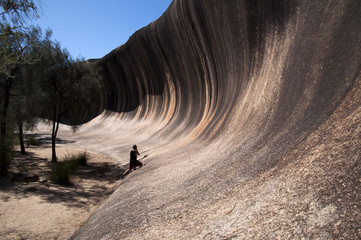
<point x="134" y="163"/>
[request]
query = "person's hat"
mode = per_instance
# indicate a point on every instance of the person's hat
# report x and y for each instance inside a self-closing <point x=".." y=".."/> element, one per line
<point x="134" y="146"/>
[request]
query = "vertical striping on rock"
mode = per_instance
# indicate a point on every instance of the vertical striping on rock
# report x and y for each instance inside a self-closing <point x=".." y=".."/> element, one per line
<point x="250" y="111"/>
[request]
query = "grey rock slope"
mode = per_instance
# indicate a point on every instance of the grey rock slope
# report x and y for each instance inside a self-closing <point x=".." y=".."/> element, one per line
<point x="250" y="114"/>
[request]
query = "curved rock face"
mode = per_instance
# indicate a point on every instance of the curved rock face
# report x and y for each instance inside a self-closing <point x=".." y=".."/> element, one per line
<point x="249" y="112"/>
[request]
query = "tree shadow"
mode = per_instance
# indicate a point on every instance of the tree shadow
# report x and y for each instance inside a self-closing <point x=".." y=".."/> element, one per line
<point x="44" y="140"/>
<point x="22" y="165"/>
<point x="91" y="184"/>
<point x="103" y="171"/>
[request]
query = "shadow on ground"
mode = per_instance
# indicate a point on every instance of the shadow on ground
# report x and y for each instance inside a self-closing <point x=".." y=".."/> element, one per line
<point x="44" y="140"/>
<point x="90" y="184"/>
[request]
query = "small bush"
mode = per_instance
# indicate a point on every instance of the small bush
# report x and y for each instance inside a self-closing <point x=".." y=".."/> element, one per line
<point x="61" y="171"/>
<point x="82" y="158"/>
<point x="32" y="141"/>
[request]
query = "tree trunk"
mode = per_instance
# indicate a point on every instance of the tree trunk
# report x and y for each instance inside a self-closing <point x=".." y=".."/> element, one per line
<point x="56" y="122"/>
<point x="21" y="137"/>
<point x="5" y="108"/>
<point x="53" y="150"/>
<point x="5" y="147"/>
<point x="53" y="138"/>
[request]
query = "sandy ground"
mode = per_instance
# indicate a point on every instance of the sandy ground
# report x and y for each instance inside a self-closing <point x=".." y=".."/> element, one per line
<point x="44" y="210"/>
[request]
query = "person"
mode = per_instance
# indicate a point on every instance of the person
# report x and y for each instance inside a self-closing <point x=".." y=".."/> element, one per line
<point x="134" y="163"/>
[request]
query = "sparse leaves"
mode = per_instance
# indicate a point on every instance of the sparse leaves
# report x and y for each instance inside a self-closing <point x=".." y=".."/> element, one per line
<point x="16" y="12"/>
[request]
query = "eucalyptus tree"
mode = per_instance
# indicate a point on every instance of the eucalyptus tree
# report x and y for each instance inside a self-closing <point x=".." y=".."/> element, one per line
<point x="17" y="42"/>
<point x="67" y="90"/>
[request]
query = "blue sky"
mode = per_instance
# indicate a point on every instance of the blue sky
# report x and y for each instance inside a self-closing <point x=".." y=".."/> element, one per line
<point x="92" y="28"/>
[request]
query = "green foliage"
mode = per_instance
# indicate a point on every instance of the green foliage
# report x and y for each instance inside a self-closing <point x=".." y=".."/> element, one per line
<point x="38" y="78"/>
<point x="70" y="89"/>
<point x="16" y="12"/>
<point x="18" y="43"/>
<point x="19" y="46"/>
<point x="63" y="170"/>
<point x="80" y="158"/>
<point x="66" y="86"/>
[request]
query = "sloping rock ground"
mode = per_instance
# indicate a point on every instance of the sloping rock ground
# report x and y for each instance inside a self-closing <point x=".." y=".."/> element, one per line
<point x="249" y="113"/>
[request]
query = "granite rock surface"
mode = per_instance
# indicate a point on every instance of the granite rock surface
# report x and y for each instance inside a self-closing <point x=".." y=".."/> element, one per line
<point x="249" y="113"/>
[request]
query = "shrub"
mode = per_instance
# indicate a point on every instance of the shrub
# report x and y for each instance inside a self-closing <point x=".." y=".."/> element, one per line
<point x="61" y="171"/>
<point x="32" y="141"/>
<point x="82" y="158"/>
